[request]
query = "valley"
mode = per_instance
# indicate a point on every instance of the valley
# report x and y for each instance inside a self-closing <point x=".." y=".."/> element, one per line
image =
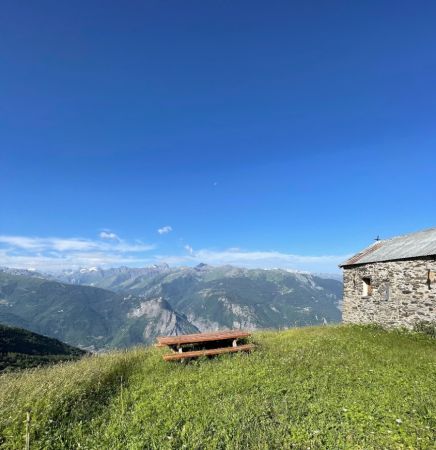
<point x="98" y="309"/>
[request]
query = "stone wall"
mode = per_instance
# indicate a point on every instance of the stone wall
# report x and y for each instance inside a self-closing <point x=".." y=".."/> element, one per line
<point x="401" y="294"/>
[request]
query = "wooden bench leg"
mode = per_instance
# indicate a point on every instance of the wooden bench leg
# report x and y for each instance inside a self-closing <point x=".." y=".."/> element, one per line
<point x="180" y="350"/>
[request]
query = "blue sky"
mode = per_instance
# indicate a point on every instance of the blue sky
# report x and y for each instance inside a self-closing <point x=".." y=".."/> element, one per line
<point x="263" y="134"/>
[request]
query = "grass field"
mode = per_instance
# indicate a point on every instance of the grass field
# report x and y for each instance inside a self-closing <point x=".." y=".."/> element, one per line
<point x="319" y="388"/>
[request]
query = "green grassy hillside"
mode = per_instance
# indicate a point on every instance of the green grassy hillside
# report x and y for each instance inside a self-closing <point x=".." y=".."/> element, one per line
<point x="21" y="349"/>
<point x="319" y="388"/>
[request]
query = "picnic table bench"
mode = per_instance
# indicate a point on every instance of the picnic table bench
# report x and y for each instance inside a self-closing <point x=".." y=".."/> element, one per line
<point x="216" y="343"/>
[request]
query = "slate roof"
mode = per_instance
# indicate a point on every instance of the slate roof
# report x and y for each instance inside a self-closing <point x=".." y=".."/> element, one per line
<point x="422" y="243"/>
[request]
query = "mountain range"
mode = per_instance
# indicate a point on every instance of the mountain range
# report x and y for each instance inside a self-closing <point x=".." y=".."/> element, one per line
<point x="97" y="308"/>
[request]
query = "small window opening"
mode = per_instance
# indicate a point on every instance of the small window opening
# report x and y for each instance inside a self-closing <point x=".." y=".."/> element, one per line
<point x="387" y="290"/>
<point x="367" y="287"/>
<point x="430" y="278"/>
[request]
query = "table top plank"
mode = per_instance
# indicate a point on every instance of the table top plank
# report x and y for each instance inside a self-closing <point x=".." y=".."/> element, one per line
<point x="201" y="337"/>
<point x="214" y="351"/>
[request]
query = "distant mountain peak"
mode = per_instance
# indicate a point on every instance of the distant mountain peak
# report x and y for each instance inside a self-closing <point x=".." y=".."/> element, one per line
<point x="89" y="269"/>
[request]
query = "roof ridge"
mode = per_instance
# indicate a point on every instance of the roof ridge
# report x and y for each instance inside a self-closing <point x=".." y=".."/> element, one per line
<point x="411" y="245"/>
<point x="409" y="234"/>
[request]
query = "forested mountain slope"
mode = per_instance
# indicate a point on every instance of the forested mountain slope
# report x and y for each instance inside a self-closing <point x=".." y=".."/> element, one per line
<point x="21" y="349"/>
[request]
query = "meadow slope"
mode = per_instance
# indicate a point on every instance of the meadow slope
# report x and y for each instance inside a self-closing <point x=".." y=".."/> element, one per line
<point x="332" y="387"/>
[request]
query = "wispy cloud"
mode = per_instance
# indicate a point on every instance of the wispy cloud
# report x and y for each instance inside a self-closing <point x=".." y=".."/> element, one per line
<point x="109" y="250"/>
<point x="105" y="234"/>
<point x="258" y="259"/>
<point x="58" y="244"/>
<point x="165" y="230"/>
<point x="54" y="253"/>
<point x="189" y="249"/>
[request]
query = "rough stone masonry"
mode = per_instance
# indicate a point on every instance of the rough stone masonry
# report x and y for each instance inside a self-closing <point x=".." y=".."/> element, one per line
<point x="390" y="293"/>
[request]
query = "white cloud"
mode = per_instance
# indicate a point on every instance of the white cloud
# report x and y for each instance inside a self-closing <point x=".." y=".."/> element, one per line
<point x="36" y="243"/>
<point x="258" y="259"/>
<point x="55" y="253"/>
<point x="189" y="249"/>
<point x="61" y="261"/>
<point x="109" y="235"/>
<point x="72" y="244"/>
<point x="165" y="230"/>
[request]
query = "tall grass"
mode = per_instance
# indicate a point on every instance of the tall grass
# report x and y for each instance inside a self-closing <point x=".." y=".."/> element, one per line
<point x="323" y="387"/>
<point x="58" y="396"/>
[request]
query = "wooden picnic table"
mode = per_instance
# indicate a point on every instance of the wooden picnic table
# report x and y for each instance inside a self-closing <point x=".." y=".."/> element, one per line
<point x="186" y="346"/>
